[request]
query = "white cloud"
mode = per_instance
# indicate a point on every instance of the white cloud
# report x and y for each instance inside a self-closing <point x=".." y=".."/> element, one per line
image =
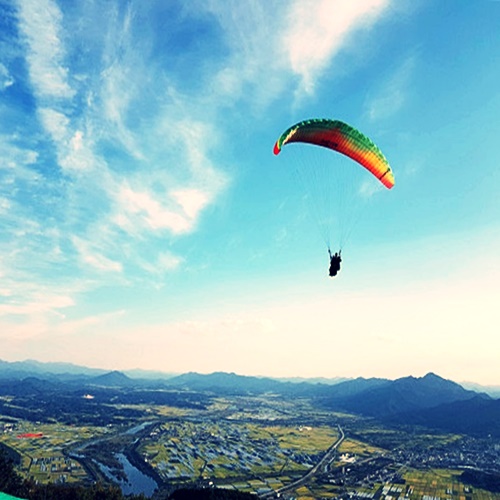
<point x="168" y="262"/>
<point x="38" y="304"/>
<point x="95" y="323"/>
<point x="191" y="201"/>
<point x="77" y="141"/>
<point x="40" y="23"/>
<point x="92" y="257"/>
<point x="6" y="80"/>
<point x="74" y="152"/>
<point x="141" y="209"/>
<point x="5" y="204"/>
<point x="301" y="41"/>
<point x="56" y="124"/>
<point x="78" y="156"/>
<point x="14" y="159"/>
<point x="49" y="76"/>
<point x="127" y="71"/>
<point x="318" y="29"/>
<point x="121" y="86"/>
<point x="207" y="181"/>
<point x="41" y="335"/>
<point x="179" y="180"/>
<point x="251" y="33"/>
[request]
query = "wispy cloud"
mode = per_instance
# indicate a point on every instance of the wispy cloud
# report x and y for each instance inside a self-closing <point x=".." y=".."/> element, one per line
<point x="165" y="263"/>
<point x="124" y="75"/>
<point x="301" y="41"/>
<point x="28" y="306"/>
<point x="251" y="33"/>
<point x="46" y="55"/>
<point x="392" y="95"/>
<point x="51" y="337"/>
<point x="91" y="257"/>
<point x="146" y="196"/>
<point x="317" y="30"/>
<point x="6" y="80"/>
<point x="141" y="209"/>
<point x="125" y="151"/>
<point x="50" y="78"/>
<point x="96" y="324"/>
<point x="39" y="303"/>
<point x="166" y="173"/>
<point x="15" y="161"/>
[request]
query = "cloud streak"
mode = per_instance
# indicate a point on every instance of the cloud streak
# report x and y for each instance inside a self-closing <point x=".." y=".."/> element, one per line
<point x="6" y="80"/>
<point x="131" y="193"/>
<point x="46" y="54"/>
<point x="318" y="30"/>
<point x="165" y="175"/>
<point x="297" y="46"/>
<point x="392" y="95"/>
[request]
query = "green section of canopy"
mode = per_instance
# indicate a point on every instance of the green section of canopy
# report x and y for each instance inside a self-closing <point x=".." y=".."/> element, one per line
<point x="342" y="138"/>
<point x="309" y="130"/>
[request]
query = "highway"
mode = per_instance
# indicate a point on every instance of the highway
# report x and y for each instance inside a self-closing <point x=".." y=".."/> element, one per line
<point x="321" y="465"/>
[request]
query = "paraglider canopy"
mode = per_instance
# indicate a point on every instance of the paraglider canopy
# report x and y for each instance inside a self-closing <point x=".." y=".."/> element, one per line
<point x="335" y="189"/>
<point x="343" y="138"/>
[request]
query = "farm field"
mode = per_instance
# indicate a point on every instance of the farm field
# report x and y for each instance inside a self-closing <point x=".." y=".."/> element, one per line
<point x="439" y="484"/>
<point x="41" y="448"/>
<point x="222" y="445"/>
<point x="435" y="484"/>
<point x="226" y="450"/>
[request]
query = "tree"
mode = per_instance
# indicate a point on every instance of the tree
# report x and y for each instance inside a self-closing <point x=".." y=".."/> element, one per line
<point x="10" y="481"/>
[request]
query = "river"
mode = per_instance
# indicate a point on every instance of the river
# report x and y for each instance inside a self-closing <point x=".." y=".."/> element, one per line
<point x="136" y="482"/>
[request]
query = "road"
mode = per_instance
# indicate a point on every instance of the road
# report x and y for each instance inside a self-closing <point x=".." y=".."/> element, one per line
<point x="325" y="460"/>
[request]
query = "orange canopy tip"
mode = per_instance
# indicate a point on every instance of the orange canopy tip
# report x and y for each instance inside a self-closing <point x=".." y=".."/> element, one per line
<point x="388" y="182"/>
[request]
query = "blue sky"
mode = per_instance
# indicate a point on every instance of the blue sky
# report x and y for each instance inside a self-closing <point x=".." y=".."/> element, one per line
<point x="146" y="223"/>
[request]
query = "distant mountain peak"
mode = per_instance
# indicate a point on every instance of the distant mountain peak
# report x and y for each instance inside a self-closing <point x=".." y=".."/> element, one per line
<point x="404" y="394"/>
<point x="431" y="376"/>
<point x="113" y="378"/>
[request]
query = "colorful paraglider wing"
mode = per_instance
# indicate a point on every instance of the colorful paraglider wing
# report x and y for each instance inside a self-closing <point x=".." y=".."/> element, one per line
<point x="339" y="136"/>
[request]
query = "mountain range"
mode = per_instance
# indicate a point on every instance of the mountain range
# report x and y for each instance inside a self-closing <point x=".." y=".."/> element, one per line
<point x="429" y="401"/>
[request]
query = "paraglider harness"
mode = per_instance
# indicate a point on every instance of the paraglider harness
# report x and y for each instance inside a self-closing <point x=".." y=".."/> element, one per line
<point x="335" y="261"/>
